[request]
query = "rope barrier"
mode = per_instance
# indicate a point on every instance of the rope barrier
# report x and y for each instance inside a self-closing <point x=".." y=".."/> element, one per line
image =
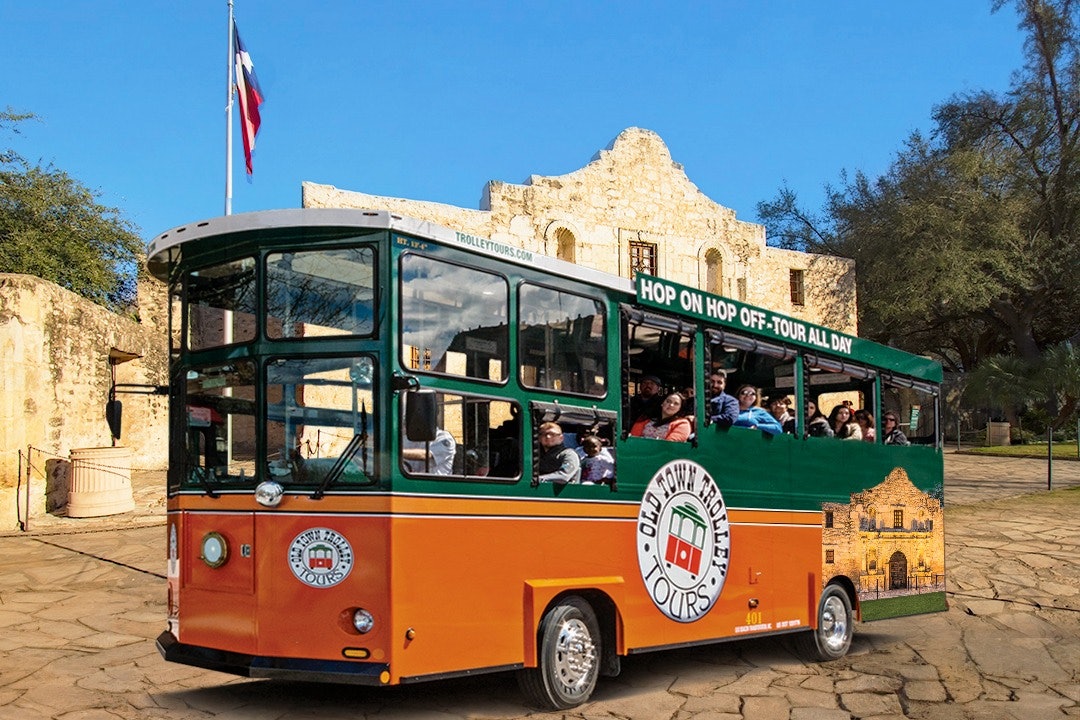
<point x="30" y="470"/>
<point x="92" y="465"/>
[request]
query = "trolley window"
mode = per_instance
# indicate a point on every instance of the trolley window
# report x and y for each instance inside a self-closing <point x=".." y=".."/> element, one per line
<point x="561" y="341"/>
<point x="453" y="319"/>
<point x="322" y="292"/>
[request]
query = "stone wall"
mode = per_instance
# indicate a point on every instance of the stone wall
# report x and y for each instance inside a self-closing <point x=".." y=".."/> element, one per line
<point x="55" y="353"/>
<point x="634" y="192"/>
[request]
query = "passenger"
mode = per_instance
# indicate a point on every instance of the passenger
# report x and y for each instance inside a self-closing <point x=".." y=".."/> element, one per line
<point x="436" y="456"/>
<point x="647" y="401"/>
<point x="778" y="408"/>
<point x="843" y="424"/>
<point x="723" y="408"/>
<point x="890" y="428"/>
<point x="557" y="463"/>
<point x="817" y="425"/>
<point x="668" y="424"/>
<point x="751" y="416"/>
<point x="866" y="424"/>
<point x="597" y="464"/>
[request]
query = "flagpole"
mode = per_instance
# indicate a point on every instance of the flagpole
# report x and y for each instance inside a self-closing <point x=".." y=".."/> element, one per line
<point x="228" y="115"/>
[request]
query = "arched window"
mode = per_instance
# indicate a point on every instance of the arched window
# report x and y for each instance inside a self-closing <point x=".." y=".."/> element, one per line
<point x="566" y="244"/>
<point x="714" y="272"/>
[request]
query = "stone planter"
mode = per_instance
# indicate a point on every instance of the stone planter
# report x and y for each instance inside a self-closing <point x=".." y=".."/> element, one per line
<point x="100" y="482"/>
<point x="997" y="433"/>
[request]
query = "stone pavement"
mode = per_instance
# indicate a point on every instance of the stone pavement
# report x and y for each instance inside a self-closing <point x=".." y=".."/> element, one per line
<point x="82" y="599"/>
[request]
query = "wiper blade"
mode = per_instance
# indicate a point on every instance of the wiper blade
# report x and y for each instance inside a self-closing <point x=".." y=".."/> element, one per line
<point x="202" y="475"/>
<point x="358" y="440"/>
<point x="339" y="465"/>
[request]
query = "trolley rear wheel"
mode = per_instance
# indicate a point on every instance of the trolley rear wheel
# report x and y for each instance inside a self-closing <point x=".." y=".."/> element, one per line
<point x="569" y="659"/>
<point x="835" y="626"/>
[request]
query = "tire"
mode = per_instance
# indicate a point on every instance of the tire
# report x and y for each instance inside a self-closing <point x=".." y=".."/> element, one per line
<point x="569" y="660"/>
<point x="835" y="626"/>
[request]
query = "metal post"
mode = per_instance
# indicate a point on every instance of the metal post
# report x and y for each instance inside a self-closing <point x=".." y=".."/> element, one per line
<point x="26" y="525"/>
<point x="1049" y="456"/>
<point x="957" y="434"/>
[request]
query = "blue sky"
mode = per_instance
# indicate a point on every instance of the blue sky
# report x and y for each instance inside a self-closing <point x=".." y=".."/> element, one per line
<point x="430" y="100"/>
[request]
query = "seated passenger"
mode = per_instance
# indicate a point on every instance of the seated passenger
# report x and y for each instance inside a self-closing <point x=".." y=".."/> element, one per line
<point x="778" y="408"/>
<point x="669" y="424"/>
<point x="723" y="409"/>
<point x="557" y="463"/>
<point x="646" y="402"/>
<point x="890" y="429"/>
<point x="843" y="424"/>
<point x="817" y="425"/>
<point x="435" y="457"/>
<point x="866" y="424"/>
<point x="751" y="416"/>
<point x="597" y="464"/>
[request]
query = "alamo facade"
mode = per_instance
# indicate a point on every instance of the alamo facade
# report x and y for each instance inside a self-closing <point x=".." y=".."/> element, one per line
<point x="631" y="209"/>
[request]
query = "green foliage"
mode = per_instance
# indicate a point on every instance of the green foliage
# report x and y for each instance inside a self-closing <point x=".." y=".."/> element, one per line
<point x="1047" y="388"/>
<point x="53" y="227"/>
<point x="969" y="245"/>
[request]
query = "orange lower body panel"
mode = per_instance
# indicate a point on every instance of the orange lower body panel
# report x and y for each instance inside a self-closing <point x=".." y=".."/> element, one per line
<point x="464" y="591"/>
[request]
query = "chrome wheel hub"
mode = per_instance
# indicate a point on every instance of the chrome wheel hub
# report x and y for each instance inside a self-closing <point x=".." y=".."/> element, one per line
<point x="575" y="656"/>
<point x="834" y="627"/>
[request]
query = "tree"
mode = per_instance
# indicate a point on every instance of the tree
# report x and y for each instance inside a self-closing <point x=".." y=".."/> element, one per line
<point x="1052" y="382"/>
<point x="52" y="226"/>
<point x="967" y="247"/>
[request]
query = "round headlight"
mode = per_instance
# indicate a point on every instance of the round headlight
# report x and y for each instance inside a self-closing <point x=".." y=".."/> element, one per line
<point x="214" y="550"/>
<point x="363" y="621"/>
<point x="269" y="493"/>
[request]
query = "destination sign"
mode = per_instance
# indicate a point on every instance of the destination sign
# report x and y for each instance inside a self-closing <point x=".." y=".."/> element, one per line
<point x="670" y="296"/>
<point x="716" y="310"/>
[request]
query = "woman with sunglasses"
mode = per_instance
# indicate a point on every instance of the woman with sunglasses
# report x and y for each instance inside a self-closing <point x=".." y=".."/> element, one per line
<point x="890" y="430"/>
<point x="752" y="416"/>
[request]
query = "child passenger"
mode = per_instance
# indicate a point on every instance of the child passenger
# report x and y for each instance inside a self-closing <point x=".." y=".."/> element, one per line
<point x="597" y="465"/>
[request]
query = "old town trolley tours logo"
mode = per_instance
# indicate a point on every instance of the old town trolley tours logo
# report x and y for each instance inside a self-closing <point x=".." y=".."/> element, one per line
<point x="320" y="557"/>
<point x="683" y="540"/>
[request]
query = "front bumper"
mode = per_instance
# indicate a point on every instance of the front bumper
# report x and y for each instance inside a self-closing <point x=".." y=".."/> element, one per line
<point x="256" y="666"/>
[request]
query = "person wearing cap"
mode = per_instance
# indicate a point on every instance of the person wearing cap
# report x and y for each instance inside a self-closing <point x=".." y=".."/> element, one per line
<point x="723" y="408"/>
<point x="647" y="401"/>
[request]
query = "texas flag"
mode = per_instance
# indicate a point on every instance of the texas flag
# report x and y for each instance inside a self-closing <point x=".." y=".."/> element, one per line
<point x="250" y="96"/>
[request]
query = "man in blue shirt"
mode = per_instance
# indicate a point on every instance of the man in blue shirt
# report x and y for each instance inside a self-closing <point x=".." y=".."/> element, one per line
<point x="723" y="408"/>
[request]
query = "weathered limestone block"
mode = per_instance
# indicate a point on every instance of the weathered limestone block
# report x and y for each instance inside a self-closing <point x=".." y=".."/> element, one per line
<point x="633" y="192"/>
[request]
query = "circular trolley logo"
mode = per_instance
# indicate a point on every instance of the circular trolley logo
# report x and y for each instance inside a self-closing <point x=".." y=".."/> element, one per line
<point x="320" y="557"/>
<point x="683" y="540"/>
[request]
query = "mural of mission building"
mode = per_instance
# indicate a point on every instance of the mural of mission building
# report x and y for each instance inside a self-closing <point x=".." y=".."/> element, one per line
<point x="889" y="540"/>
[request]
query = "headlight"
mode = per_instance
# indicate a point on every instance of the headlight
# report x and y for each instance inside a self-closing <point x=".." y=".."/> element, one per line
<point x="269" y="493"/>
<point x="214" y="551"/>
<point x="363" y="621"/>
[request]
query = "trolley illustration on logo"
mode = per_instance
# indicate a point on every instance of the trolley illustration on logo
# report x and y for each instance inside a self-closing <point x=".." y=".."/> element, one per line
<point x="686" y="538"/>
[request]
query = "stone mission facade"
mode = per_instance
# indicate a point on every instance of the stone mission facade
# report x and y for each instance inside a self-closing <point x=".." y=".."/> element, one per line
<point x="60" y="354"/>
<point x="632" y="208"/>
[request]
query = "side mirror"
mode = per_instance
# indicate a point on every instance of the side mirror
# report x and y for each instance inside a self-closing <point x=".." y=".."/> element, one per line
<point x="114" y="411"/>
<point x="400" y="382"/>
<point x="420" y="415"/>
